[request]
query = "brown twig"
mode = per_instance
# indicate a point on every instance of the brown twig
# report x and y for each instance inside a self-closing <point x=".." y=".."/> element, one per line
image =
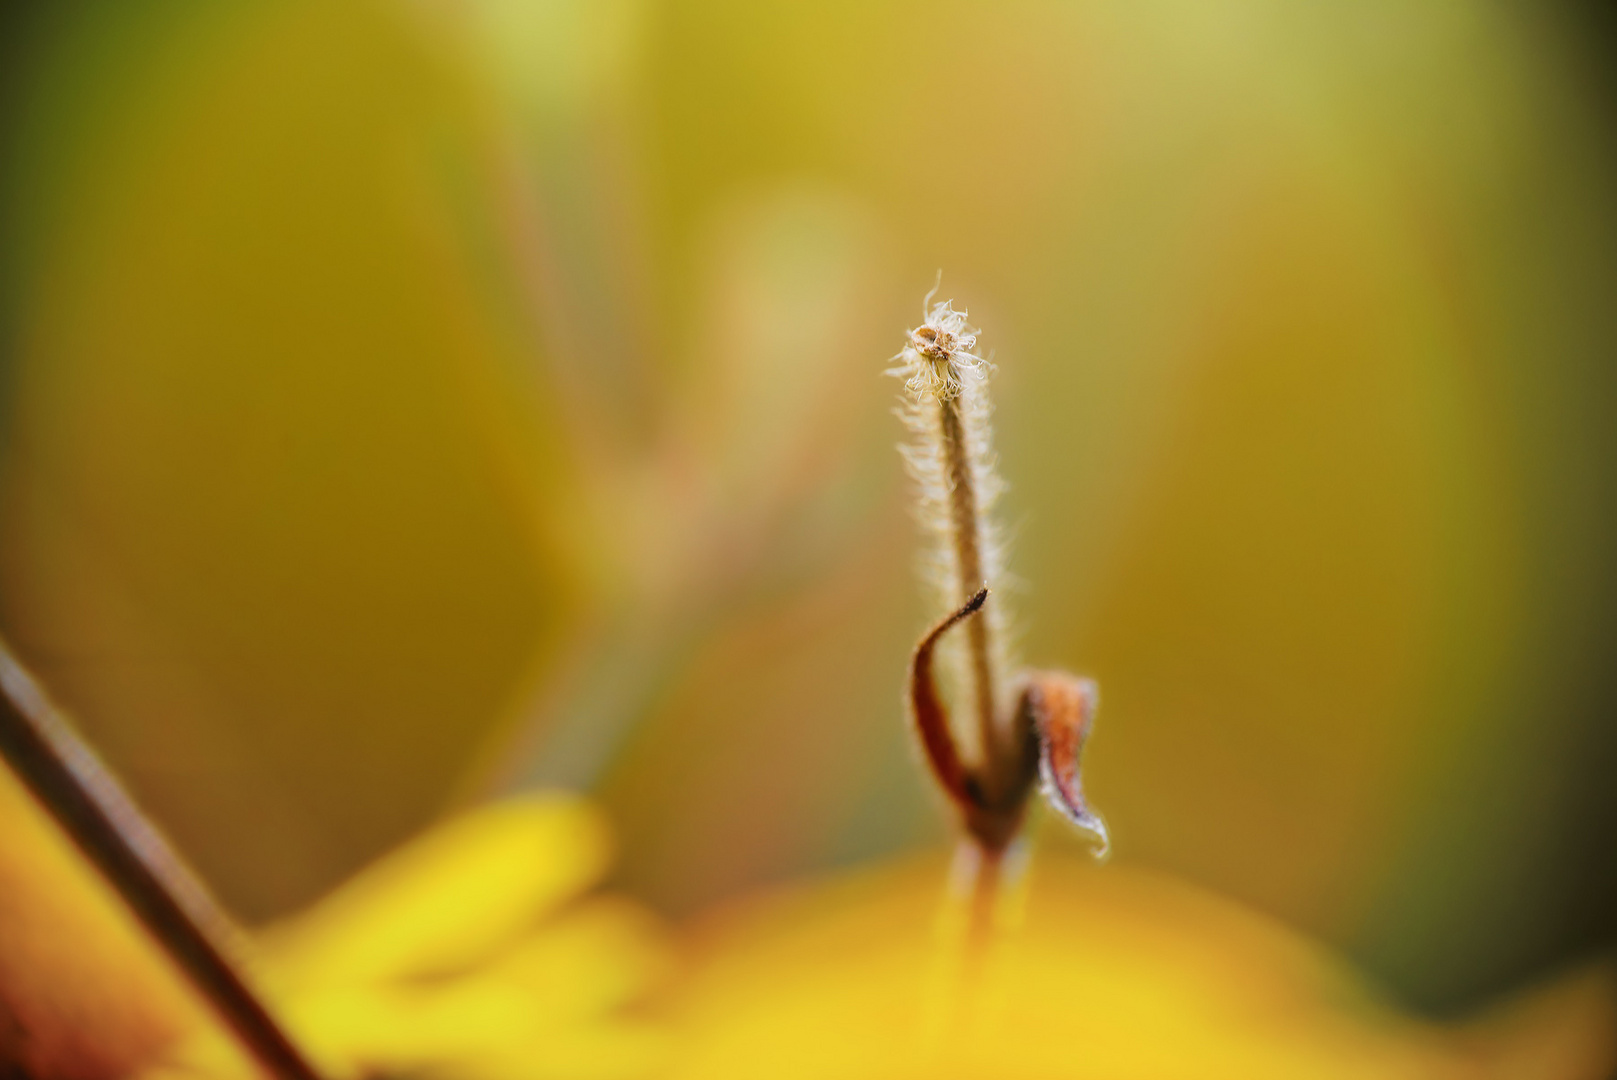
<point x="87" y="802"/>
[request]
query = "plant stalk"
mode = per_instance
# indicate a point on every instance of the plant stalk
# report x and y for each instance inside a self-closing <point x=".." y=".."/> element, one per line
<point x="969" y="561"/>
<point x="77" y="790"/>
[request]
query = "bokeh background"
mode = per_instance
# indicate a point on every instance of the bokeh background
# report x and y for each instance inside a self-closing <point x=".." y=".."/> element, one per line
<point x="412" y="401"/>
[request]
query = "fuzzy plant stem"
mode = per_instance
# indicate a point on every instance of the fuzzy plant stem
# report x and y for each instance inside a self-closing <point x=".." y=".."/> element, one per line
<point x="68" y="779"/>
<point x="969" y="560"/>
<point x="1038" y="738"/>
<point x="946" y="409"/>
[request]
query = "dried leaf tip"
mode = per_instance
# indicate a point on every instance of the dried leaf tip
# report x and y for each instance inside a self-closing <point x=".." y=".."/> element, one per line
<point x="1061" y="709"/>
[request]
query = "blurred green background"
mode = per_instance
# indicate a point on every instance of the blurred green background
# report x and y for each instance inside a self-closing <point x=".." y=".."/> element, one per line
<point x="412" y="401"/>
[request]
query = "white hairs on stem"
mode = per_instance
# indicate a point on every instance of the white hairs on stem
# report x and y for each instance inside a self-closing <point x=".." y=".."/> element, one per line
<point x="945" y="402"/>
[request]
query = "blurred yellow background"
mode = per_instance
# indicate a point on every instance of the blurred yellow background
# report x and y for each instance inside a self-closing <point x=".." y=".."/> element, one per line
<point x="413" y="402"/>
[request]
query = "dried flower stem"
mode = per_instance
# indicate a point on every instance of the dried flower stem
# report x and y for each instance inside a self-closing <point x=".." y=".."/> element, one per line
<point x="91" y="807"/>
<point x="969" y="560"/>
<point x="984" y="899"/>
<point x="946" y="409"/>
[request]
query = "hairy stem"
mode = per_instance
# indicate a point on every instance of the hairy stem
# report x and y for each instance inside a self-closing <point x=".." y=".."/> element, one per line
<point x="969" y="561"/>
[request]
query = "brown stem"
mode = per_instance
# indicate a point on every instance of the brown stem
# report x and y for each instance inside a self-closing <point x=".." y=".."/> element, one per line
<point x="65" y="775"/>
<point x="984" y="898"/>
<point x="969" y="560"/>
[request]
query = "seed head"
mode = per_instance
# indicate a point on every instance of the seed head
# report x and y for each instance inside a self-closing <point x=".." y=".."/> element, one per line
<point x="937" y="359"/>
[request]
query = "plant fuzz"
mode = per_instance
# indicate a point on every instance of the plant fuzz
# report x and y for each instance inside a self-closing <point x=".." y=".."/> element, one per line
<point x="1034" y="725"/>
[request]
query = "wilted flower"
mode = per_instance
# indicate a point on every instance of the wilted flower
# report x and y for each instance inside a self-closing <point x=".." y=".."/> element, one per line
<point x="938" y="361"/>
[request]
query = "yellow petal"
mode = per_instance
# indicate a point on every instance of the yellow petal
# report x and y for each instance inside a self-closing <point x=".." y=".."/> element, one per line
<point x="1114" y="973"/>
<point x="593" y="959"/>
<point x="446" y="900"/>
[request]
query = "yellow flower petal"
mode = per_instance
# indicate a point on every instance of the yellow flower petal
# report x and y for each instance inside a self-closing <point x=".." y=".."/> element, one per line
<point x="451" y="955"/>
<point x="1112" y="973"/>
<point x="448" y="899"/>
